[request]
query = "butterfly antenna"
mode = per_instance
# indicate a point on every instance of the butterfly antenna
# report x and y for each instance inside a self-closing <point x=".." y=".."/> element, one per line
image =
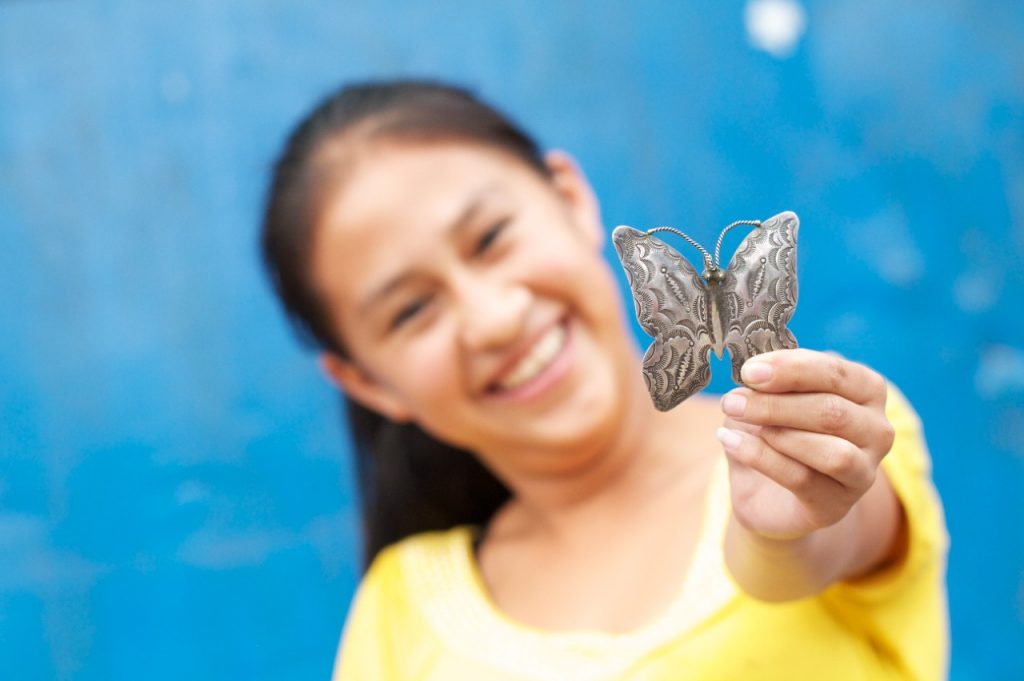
<point x="708" y="263"/>
<point x="718" y="246"/>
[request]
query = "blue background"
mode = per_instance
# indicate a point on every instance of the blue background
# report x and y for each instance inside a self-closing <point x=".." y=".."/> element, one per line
<point x="175" y="491"/>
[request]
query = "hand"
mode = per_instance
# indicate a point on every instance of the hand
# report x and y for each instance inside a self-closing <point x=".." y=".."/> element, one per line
<point x="804" y="441"/>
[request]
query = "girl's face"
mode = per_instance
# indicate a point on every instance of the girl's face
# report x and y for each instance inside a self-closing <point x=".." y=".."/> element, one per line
<point x="474" y="301"/>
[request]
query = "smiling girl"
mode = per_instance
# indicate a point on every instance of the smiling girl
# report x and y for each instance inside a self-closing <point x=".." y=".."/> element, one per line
<point x="528" y="513"/>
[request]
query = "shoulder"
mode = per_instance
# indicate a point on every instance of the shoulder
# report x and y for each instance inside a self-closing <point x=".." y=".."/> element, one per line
<point x="395" y="569"/>
<point x="386" y="621"/>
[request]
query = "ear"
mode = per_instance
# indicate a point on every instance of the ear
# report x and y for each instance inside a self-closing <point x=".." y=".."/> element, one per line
<point x="357" y="384"/>
<point x="572" y="185"/>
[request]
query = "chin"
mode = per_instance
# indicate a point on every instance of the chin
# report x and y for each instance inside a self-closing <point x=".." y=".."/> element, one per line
<point x="580" y="425"/>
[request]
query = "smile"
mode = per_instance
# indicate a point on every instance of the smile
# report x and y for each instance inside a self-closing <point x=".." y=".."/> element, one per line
<point x="540" y="367"/>
<point x="536" y="360"/>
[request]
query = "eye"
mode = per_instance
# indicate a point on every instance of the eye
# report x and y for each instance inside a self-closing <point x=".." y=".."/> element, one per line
<point x="408" y="312"/>
<point x="489" y="237"/>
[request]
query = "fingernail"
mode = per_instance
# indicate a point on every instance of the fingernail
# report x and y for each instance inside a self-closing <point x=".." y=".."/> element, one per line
<point x="734" y="404"/>
<point x="754" y="372"/>
<point x="730" y="439"/>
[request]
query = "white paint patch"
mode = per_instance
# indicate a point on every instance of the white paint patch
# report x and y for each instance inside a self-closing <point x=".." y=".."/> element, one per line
<point x="886" y="243"/>
<point x="215" y="549"/>
<point x="31" y="564"/>
<point x="1000" y="372"/>
<point x="1008" y="430"/>
<point x="975" y="291"/>
<point x="191" y="491"/>
<point x="848" y="328"/>
<point x="775" y="26"/>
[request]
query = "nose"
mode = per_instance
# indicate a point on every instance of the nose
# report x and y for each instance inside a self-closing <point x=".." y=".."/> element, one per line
<point x="492" y="313"/>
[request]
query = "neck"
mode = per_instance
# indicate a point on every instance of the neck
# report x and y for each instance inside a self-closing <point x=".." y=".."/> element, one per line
<point x="644" y="454"/>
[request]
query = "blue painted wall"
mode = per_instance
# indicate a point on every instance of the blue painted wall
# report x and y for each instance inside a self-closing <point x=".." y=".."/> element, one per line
<point x="175" y="494"/>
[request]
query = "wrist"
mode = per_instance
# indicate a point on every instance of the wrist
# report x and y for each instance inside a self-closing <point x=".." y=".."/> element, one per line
<point x="772" y="568"/>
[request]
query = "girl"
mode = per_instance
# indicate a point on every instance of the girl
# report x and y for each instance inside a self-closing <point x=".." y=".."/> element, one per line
<point x="528" y="514"/>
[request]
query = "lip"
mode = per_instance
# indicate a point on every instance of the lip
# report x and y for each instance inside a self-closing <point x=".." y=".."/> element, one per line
<point x="552" y="374"/>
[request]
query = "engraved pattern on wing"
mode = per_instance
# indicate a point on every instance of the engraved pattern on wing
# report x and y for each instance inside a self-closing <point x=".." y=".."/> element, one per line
<point x="761" y="286"/>
<point x="672" y="307"/>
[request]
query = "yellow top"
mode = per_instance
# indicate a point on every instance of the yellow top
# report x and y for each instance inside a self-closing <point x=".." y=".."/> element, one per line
<point x="422" y="612"/>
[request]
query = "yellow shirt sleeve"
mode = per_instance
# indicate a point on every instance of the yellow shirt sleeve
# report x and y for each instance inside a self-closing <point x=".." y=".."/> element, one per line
<point x="903" y="608"/>
<point x="366" y="650"/>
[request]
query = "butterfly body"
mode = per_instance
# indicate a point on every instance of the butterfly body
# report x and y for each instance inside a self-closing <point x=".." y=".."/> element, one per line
<point x="742" y="308"/>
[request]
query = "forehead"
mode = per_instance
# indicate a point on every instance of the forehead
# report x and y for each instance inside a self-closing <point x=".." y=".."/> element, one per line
<point x="395" y="205"/>
<point x="408" y="185"/>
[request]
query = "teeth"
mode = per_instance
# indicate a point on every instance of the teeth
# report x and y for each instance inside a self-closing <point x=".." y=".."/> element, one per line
<point x="543" y="351"/>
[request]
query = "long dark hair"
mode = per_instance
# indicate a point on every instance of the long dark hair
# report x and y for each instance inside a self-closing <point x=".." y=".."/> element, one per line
<point x="408" y="481"/>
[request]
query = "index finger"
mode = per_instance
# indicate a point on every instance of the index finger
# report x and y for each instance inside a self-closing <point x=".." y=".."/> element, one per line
<point x="803" y="370"/>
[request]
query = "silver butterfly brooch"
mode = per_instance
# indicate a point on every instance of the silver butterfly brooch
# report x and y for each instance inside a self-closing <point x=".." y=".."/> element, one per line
<point x="743" y="308"/>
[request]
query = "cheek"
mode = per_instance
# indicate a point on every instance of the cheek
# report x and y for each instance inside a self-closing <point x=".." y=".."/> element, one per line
<point x="423" y="371"/>
<point x="434" y="385"/>
<point x="569" y="270"/>
<point x="434" y="371"/>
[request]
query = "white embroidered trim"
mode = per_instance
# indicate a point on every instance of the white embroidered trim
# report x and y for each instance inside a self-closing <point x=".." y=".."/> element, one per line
<point x="448" y="588"/>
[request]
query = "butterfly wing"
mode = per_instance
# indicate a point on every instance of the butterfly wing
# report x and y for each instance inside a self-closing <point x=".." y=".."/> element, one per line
<point x="759" y="293"/>
<point x="671" y="304"/>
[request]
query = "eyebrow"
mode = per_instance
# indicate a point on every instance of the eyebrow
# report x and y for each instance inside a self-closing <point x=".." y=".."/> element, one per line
<point x="458" y="225"/>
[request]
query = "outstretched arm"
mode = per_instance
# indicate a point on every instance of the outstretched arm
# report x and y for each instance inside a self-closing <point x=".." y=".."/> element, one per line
<point x="804" y="443"/>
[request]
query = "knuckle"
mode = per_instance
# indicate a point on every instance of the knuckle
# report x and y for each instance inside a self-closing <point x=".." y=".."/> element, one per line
<point x="803" y="479"/>
<point x="837" y="372"/>
<point x="770" y="409"/>
<point x="834" y="414"/>
<point x="844" y="462"/>
<point x="773" y="435"/>
<point x="869" y="479"/>
<point x="879" y="386"/>
<point x="888" y="436"/>
<point x="757" y="454"/>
